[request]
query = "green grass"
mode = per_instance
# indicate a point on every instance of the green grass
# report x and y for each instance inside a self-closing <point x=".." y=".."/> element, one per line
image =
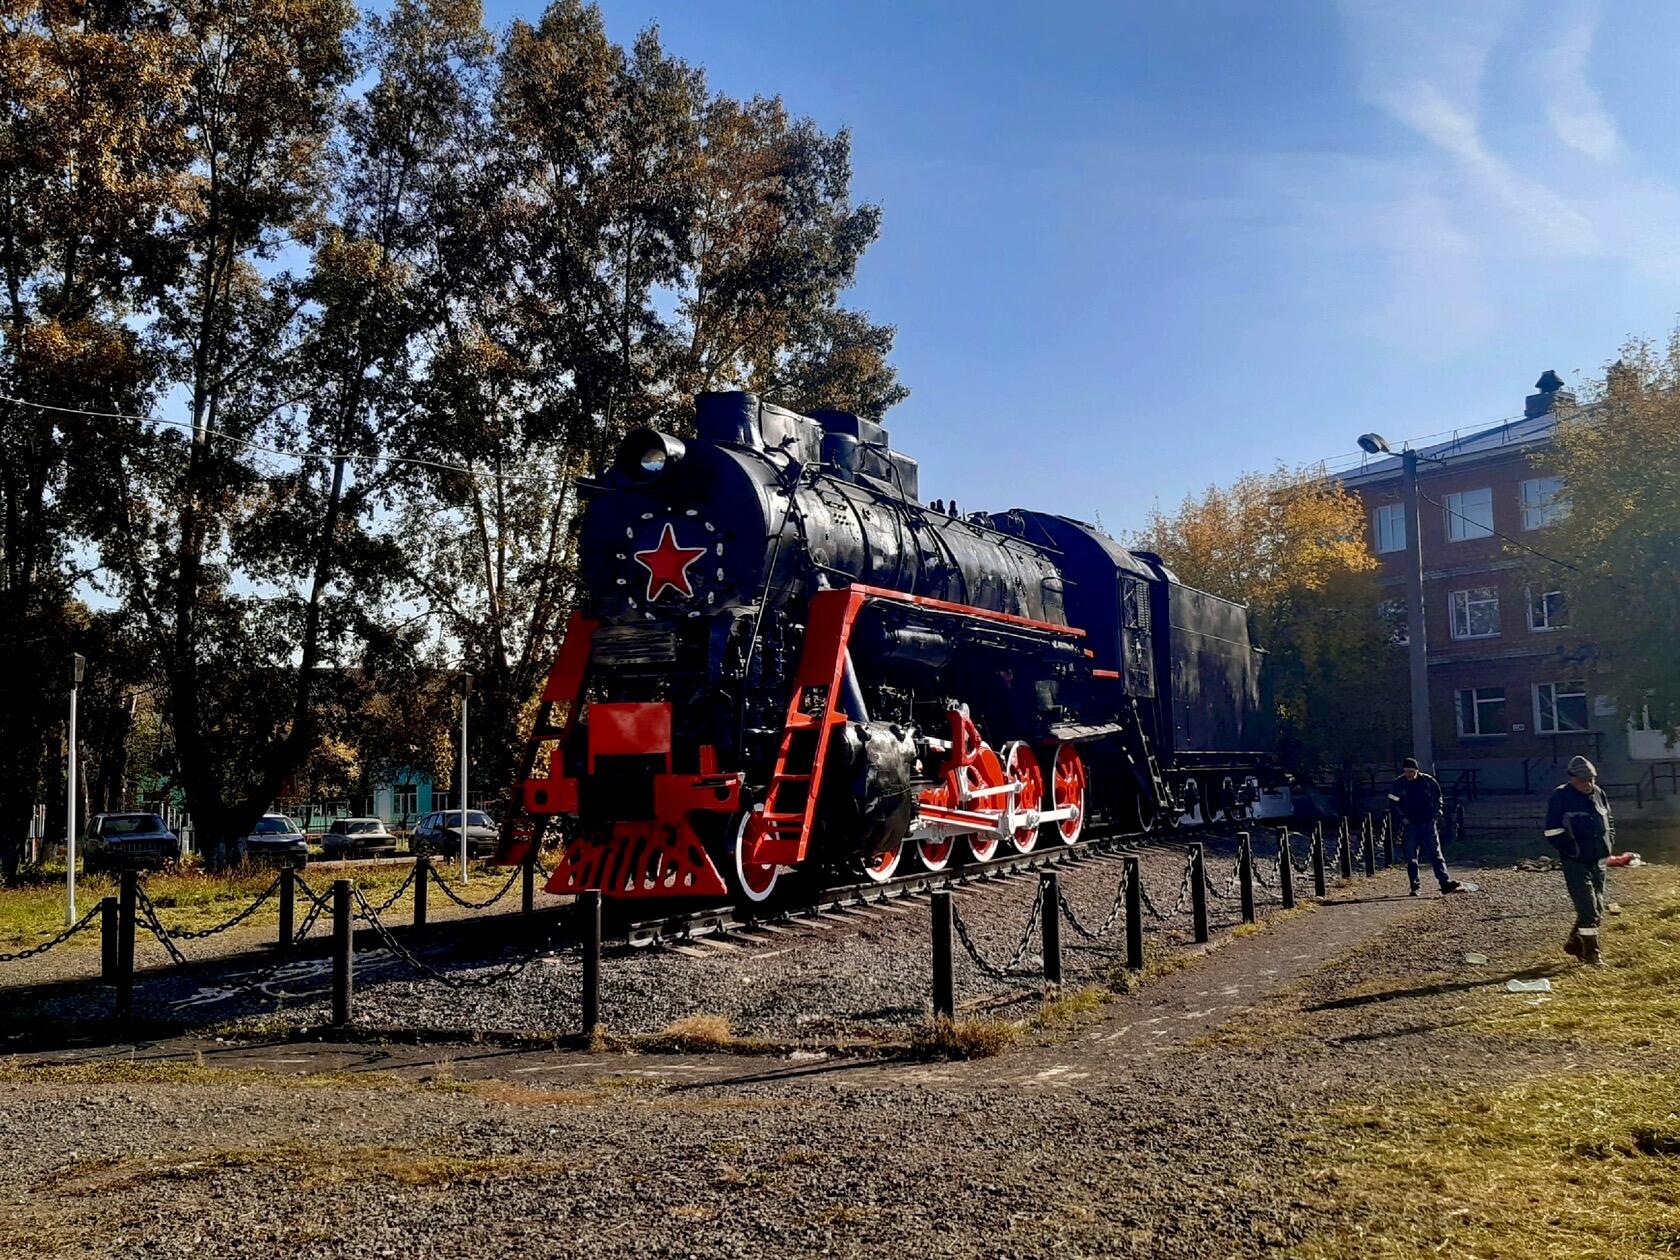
<point x="1631" y="1003"/>
<point x="1575" y="1165"/>
<point x="32" y="911"/>
<point x="1577" y="1160"/>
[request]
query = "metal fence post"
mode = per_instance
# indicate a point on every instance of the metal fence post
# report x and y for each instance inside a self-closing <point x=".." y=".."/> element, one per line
<point x="1245" y="874"/>
<point x="288" y="888"/>
<point x="108" y="939"/>
<point x="1286" y="871"/>
<point x="1388" y="839"/>
<point x="422" y="878"/>
<point x="528" y="881"/>
<point x="343" y="952"/>
<point x="1345" y="856"/>
<point x="1134" y="914"/>
<point x="944" y="985"/>
<point x="589" y="907"/>
<point x="1050" y="926"/>
<point x="1198" y="894"/>
<point x="1318" y="861"/>
<point x="127" y="892"/>
<point x="1371" y="853"/>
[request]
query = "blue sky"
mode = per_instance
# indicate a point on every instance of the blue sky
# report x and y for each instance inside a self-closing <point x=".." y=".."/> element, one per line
<point x="1135" y="248"/>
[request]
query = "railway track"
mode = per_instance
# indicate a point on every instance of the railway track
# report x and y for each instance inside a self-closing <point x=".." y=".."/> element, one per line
<point x="848" y="902"/>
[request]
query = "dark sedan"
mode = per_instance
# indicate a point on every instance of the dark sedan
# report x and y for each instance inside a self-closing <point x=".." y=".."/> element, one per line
<point x="276" y="838"/>
<point x="129" y="842"/>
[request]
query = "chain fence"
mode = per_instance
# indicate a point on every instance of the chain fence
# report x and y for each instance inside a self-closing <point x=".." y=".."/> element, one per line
<point x="369" y="915"/>
<point x="1010" y="970"/>
<point x="191" y="934"/>
<point x="466" y="904"/>
<point x="82" y="925"/>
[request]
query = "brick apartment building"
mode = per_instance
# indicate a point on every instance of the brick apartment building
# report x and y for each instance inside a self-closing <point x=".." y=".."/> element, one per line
<point x="1512" y="689"/>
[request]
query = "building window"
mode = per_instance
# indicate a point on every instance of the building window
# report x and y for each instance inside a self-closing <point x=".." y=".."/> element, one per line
<point x="1560" y="707"/>
<point x="1547" y="610"/>
<point x="1543" y="502"/>
<point x="1481" y="711"/>
<point x="1388" y="527"/>
<point x="1475" y="613"/>
<point x="1469" y="515"/>
<point x="405" y="801"/>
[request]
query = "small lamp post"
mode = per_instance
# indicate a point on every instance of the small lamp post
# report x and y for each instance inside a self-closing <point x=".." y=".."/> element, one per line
<point x="1423" y="738"/>
<point x="78" y="664"/>
<point x="466" y="694"/>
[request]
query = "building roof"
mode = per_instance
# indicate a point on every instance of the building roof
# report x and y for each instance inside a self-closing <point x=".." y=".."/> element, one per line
<point x="1519" y="434"/>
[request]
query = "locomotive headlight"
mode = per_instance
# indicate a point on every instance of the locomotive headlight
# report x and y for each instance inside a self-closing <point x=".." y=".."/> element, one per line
<point x="648" y="453"/>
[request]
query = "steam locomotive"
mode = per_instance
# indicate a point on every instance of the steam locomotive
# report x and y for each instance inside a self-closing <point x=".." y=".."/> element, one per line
<point x="789" y="668"/>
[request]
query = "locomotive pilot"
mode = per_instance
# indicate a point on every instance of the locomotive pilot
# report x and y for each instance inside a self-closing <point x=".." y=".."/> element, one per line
<point x="1416" y="798"/>
<point x="1579" y="825"/>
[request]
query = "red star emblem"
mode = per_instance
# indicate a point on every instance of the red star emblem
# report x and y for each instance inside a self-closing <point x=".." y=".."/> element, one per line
<point x="667" y="565"/>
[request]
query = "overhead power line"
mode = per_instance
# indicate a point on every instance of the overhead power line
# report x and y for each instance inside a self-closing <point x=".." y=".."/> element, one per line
<point x="517" y="473"/>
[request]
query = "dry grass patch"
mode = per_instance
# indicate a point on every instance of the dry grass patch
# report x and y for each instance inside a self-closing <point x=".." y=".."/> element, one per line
<point x="696" y="1034"/>
<point x="943" y="1038"/>
<point x="1572" y="1166"/>
<point x="1074" y="1006"/>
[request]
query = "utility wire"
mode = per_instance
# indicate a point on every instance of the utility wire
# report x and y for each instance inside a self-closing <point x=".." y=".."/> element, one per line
<point x="324" y="457"/>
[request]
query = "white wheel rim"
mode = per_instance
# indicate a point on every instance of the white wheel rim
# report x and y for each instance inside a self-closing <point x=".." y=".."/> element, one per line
<point x="933" y="864"/>
<point x="741" y="880"/>
<point x="1078" y="802"/>
<point x="879" y="871"/>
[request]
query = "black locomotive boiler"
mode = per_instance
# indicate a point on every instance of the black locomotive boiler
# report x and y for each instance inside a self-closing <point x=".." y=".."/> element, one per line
<point x="786" y="663"/>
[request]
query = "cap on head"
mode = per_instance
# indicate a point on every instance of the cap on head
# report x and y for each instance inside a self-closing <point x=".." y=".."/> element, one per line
<point x="1581" y="768"/>
<point x="1409" y="764"/>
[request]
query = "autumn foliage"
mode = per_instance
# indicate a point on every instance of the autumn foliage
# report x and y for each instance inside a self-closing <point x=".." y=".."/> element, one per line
<point x="1291" y="545"/>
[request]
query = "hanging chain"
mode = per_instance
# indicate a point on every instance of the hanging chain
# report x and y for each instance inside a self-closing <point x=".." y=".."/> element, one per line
<point x="390" y="901"/>
<point x="85" y="923"/>
<point x="1009" y="970"/>
<point x="475" y="905"/>
<point x="403" y="954"/>
<point x="190" y="934"/>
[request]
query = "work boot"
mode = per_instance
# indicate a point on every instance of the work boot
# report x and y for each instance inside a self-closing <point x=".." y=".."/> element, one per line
<point x="1451" y="886"/>
<point x="1589" y="948"/>
<point x="1414" y="890"/>
<point x="1572" y="946"/>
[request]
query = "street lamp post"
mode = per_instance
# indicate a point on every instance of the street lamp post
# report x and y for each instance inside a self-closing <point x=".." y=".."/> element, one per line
<point x="1423" y="738"/>
<point x="466" y="693"/>
<point x="77" y="664"/>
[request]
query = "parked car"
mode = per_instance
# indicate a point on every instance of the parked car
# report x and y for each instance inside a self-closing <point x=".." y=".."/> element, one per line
<point x="440" y="832"/>
<point x="275" y="837"/>
<point x="357" y="835"/>
<point x="128" y="841"/>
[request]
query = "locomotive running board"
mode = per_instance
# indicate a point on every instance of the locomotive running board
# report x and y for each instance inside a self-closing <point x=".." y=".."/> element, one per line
<point x="779" y="832"/>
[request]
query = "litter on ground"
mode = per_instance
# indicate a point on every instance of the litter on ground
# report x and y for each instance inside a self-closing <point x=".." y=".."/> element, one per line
<point x="1529" y="986"/>
<point x="1475" y="960"/>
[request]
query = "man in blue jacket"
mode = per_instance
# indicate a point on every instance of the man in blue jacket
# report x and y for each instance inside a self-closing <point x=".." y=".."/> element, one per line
<point x="1579" y="825"/>
<point x="1416" y="797"/>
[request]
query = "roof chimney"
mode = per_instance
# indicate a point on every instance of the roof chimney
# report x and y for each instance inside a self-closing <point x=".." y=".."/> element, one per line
<point x="1551" y="390"/>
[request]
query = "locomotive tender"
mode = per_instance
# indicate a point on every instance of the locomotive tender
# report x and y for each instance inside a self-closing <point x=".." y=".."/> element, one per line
<point x="787" y="666"/>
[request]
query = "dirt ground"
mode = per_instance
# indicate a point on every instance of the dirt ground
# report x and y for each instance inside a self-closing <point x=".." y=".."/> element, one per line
<point x="1223" y="1108"/>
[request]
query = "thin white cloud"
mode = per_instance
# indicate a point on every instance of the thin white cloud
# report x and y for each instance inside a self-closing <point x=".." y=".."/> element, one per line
<point x="1424" y="65"/>
<point x="1573" y="107"/>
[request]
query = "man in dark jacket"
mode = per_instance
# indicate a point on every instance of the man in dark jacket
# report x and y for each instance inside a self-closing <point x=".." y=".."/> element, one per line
<point x="1578" y="823"/>
<point x="1416" y="797"/>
